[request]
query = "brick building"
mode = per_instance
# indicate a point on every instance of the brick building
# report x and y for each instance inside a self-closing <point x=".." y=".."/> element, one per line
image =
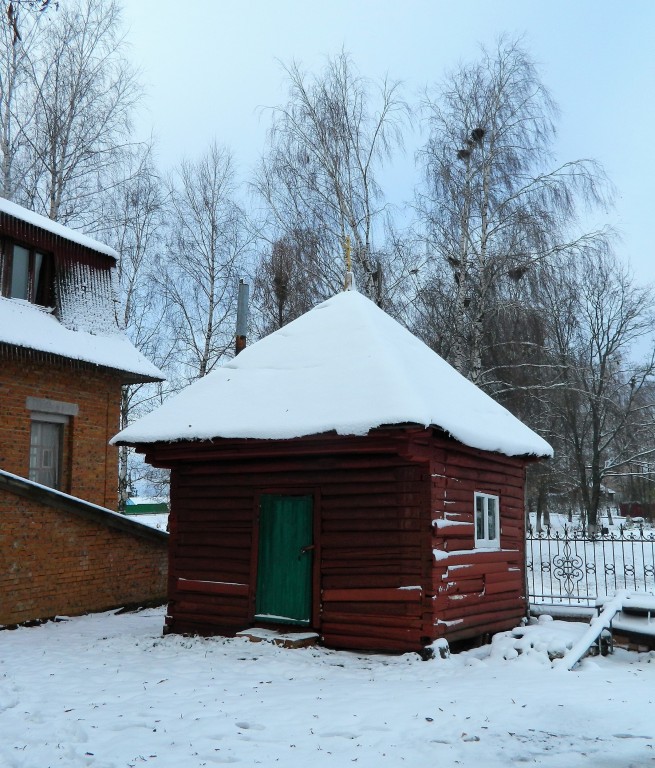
<point x="63" y="361"/>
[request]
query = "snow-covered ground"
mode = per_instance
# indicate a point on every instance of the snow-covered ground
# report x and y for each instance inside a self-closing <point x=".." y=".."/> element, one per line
<point x="560" y="521"/>
<point x="109" y="691"/>
<point x="159" y="521"/>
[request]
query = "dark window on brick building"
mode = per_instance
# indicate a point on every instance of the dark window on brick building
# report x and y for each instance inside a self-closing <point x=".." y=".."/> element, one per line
<point x="27" y="274"/>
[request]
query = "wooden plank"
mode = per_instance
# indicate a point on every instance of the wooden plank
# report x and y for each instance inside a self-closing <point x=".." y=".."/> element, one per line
<point x="408" y="622"/>
<point x="459" y="587"/>
<point x="487" y="625"/>
<point x="478" y="556"/>
<point x="360" y="581"/>
<point x="405" y="569"/>
<point x="476" y="569"/>
<point x="372" y="595"/>
<point x="373" y="501"/>
<point x="458" y="531"/>
<point x="514" y="585"/>
<point x="348" y="525"/>
<point x="485" y="604"/>
<point x="231" y="570"/>
<point x="209" y="615"/>
<point x="206" y="623"/>
<point x="213" y="587"/>
<point x="340" y="514"/>
<point x="207" y="510"/>
<point x="336" y="554"/>
<point x="408" y="634"/>
<point x="370" y="539"/>
<point x="464" y="495"/>
<point x="213" y="547"/>
<point x="465" y="456"/>
<point x="356" y="610"/>
<point x="366" y="643"/>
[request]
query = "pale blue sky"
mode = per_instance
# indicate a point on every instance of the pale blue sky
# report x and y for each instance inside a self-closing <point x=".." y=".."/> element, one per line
<point x="209" y="65"/>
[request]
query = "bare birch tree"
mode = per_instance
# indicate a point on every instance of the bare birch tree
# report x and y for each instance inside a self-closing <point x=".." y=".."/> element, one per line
<point x="320" y="171"/>
<point x="68" y="93"/>
<point x="18" y="35"/>
<point x="492" y="205"/>
<point x="207" y="245"/>
<point x="84" y="92"/>
<point x="598" y="317"/>
<point x="133" y="222"/>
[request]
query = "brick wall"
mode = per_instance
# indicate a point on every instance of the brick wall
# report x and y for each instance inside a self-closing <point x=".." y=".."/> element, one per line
<point x="90" y="465"/>
<point x="54" y="562"/>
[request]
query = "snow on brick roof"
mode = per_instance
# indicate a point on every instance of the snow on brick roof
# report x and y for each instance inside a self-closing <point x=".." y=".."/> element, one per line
<point x="18" y="212"/>
<point x="27" y="325"/>
<point x="345" y="366"/>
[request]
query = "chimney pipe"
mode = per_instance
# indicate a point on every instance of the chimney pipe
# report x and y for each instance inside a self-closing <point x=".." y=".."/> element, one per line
<point x="242" y="316"/>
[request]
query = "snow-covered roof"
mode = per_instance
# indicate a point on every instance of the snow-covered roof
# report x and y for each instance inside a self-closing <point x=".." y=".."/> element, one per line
<point x="18" y="212"/>
<point x="27" y="325"/>
<point x="345" y="366"/>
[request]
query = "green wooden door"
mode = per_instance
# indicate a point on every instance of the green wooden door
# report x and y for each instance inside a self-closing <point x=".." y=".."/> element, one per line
<point x="284" y="572"/>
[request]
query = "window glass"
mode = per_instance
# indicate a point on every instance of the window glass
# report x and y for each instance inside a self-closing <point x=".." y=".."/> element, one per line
<point x="43" y="282"/>
<point x="20" y="272"/>
<point x="491" y="518"/>
<point x="487" y="520"/>
<point x="479" y="517"/>
<point x="45" y="451"/>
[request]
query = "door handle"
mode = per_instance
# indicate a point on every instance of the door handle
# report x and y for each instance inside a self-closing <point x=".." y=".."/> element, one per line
<point x="307" y="548"/>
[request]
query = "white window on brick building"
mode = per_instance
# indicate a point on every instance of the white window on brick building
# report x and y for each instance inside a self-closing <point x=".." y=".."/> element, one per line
<point x="487" y="521"/>
<point x="46" y="440"/>
<point x="48" y="422"/>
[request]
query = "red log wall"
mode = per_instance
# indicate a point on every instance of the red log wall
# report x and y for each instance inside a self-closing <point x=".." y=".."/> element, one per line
<point x="477" y="591"/>
<point x="377" y="583"/>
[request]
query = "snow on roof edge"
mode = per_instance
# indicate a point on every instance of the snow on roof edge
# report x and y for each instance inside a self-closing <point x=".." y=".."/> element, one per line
<point x="290" y="384"/>
<point x="27" y="326"/>
<point x="42" y="222"/>
<point x="109" y="513"/>
<point x="117" y="441"/>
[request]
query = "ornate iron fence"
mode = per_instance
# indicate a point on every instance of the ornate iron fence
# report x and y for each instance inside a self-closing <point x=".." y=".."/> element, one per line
<point x="570" y="567"/>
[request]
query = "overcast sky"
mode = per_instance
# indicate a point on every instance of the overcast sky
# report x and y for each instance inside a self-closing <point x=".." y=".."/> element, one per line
<point x="209" y="66"/>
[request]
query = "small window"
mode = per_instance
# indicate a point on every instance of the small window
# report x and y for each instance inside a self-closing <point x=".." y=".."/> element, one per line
<point x="45" y="453"/>
<point x="487" y="520"/>
<point x="28" y="274"/>
<point x="47" y="460"/>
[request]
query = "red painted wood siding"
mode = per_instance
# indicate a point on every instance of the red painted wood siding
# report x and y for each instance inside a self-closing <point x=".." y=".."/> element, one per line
<point x="377" y="498"/>
<point x="374" y="521"/>
<point x="477" y="591"/>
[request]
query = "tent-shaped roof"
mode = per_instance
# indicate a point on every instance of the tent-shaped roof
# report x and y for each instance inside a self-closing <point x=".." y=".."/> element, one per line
<point x="345" y="366"/>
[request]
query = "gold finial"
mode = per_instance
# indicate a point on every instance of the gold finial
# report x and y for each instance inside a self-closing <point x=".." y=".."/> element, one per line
<point x="349" y="275"/>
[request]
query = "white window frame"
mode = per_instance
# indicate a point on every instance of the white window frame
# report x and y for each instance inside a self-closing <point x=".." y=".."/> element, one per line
<point x="485" y="541"/>
<point x="45" y="460"/>
<point x="43" y="410"/>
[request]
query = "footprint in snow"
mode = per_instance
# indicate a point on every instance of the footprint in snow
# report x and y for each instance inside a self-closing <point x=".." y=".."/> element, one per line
<point x="244" y="726"/>
<point x="8" y="699"/>
<point x="216" y="758"/>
